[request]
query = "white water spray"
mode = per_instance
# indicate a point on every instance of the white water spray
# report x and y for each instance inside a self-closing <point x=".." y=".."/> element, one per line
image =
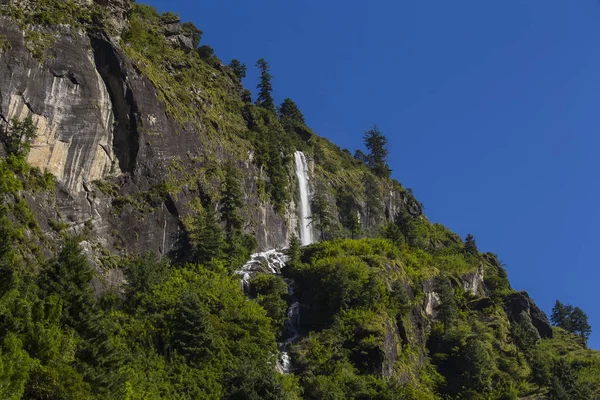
<point x="271" y="262"/>
<point x="306" y="235"/>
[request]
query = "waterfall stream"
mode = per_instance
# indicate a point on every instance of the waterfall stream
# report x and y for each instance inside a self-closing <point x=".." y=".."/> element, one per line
<point x="271" y="262"/>
<point x="306" y="234"/>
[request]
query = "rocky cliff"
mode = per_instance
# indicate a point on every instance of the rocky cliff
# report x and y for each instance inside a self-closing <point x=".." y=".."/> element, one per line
<point x="99" y="118"/>
<point x="145" y="144"/>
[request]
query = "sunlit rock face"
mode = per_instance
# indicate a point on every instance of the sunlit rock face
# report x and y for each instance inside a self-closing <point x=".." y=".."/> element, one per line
<point x="68" y="102"/>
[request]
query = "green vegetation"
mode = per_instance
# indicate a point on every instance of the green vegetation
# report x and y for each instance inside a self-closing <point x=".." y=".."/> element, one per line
<point x="572" y="320"/>
<point x="384" y="309"/>
<point x="5" y="44"/>
<point x="376" y="143"/>
<point x="238" y="69"/>
<point x="17" y="137"/>
<point x="265" y="99"/>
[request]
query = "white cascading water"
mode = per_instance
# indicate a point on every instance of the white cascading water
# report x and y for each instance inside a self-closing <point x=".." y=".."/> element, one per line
<point x="271" y="262"/>
<point x="306" y="235"/>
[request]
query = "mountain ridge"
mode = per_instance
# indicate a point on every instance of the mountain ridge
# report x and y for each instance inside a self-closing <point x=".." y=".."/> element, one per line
<point x="146" y="137"/>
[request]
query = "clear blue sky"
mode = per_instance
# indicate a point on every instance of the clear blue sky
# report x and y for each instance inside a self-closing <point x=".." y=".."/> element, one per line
<point x="491" y="109"/>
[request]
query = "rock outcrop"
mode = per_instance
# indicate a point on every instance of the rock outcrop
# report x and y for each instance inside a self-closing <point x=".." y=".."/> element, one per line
<point x="520" y="302"/>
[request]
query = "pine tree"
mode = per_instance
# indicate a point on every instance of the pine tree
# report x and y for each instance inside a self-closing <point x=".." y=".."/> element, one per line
<point x="470" y="246"/>
<point x="231" y="202"/>
<point x="18" y="136"/>
<point x="477" y="367"/>
<point x="206" y="237"/>
<point x="238" y="69"/>
<point x="447" y="310"/>
<point x="406" y="225"/>
<point x="265" y="88"/>
<point x="376" y="142"/>
<point x="192" y="329"/>
<point x="293" y="251"/>
<point x="348" y="211"/>
<point x="578" y="322"/>
<point x="561" y="314"/>
<point x="321" y="211"/>
<point x="288" y="110"/>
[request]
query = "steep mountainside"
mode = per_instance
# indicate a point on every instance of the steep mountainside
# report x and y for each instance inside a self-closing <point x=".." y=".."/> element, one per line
<point x="136" y="161"/>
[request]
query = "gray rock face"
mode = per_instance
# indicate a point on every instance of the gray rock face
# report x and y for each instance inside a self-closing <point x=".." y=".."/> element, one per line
<point x="474" y="282"/>
<point x="520" y="302"/>
<point x="99" y="118"/>
<point x="68" y="102"/>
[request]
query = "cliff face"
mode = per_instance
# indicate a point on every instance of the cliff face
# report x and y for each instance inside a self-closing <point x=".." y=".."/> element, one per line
<point x="155" y="148"/>
<point x="99" y="118"/>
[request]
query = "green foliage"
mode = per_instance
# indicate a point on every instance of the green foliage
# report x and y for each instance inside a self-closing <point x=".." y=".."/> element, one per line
<point x="238" y="69"/>
<point x="271" y="293"/>
<point x="376" y="143"/>
<point x="571" y="319"/>
<point x="17" y="137"/>
<point x="189" y="29"/>
<point x="206" y="52"/>
<point x="447" y="311"/>
<point x="294" y="250"/>
<point x="5" y="44"/>
<point x="321" y="215"/>
<point x="348" y="209"/>
<point x="470" y="246"/>
<point x="55" y="12"/>
<point x="37" y="42"/>
<point x="265" y="99"/>
<point x="206" y="237"/>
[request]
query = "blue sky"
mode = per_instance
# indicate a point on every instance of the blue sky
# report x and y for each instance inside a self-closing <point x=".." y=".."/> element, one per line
<point x="491" y="109"/>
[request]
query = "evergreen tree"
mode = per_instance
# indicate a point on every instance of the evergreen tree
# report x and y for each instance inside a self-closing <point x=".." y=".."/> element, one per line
<point x="393" y="233"/>
<point x="192" y="329"/>
<point x="231" y="203"/>
<point x="321" y="215"/>
<point x="278" y="150"/>
<point x="206" y="237"/>
<point x="470" y="246"/>
<point x="206" y="52"/>
<point x="288" y="110"/>
<point x="238" y="69"/>
<point x="477" y="367"/>
<point x="447" y="310"/>
<point x="406" y="226"/>
<point x="70" y="278"/>
<point x="18" y="136"/>
<point x="561" y="314"/>
<point x="579" y="325"/>
<point x="294" y="251"/>
<point x="348" y="211"/>
<point x="361" y="156"/>
<point x="376" y="143"/>
<point x="265" y="88"/>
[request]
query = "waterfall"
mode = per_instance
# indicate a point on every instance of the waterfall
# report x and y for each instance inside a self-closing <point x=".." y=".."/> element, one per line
<point x="292" y="324"/>
<point x="306" y="235"/>
<point x="271" y="262"/>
